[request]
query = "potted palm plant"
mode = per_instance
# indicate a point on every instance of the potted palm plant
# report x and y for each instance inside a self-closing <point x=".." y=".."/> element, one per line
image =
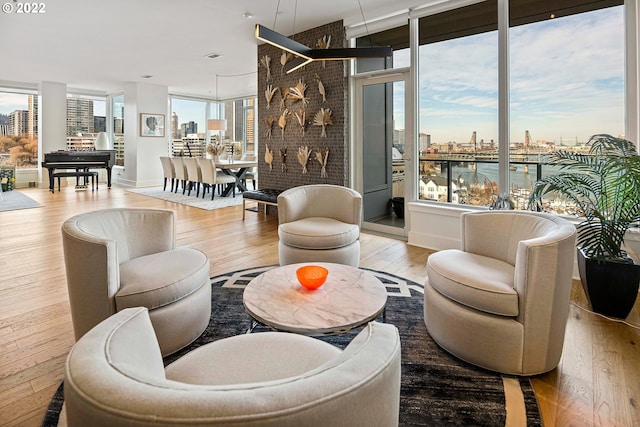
<point x="604" y="185"/>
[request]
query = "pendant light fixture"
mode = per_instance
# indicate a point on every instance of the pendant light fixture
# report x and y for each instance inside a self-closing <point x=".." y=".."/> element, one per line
<point x="217" y="124"/>
<point x="305" y="55"/>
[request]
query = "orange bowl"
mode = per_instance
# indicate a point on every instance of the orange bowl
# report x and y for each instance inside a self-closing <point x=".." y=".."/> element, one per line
<point x="312" y="276"/>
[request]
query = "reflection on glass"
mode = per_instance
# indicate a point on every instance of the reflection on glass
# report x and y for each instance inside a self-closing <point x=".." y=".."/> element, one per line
<point x="118" y="128"/>
<point x="563" y="89"/>
<point x="18" y="131"/>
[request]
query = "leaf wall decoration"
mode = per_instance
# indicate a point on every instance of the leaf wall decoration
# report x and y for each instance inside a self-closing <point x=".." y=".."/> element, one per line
<point x="322" y="91"/>
<point x="282" y="121"/>
<point x="302" y="121"/>
<point x="284" y="58"/>
<point x="269" y="121"/>
<point x="283" y="155"/>
<point x="321" y="156"/>
<point x="268" y="156"/>
<point x="303" y="157"/>
<point x="323" y="118"/>
<point x="268" y="94"/>
<point x="297" y="93"/>
<point x="266" y="63"/>
<point x="324" y="43"/>
<point x="284" y="92"/>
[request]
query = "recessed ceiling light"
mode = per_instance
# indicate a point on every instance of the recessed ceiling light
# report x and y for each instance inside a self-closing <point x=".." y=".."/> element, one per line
<point x="212" y="55"/>
<point x="247" y="15"/>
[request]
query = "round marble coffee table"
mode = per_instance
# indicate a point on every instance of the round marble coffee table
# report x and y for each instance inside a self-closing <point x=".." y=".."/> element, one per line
<point x="349" y="298"/>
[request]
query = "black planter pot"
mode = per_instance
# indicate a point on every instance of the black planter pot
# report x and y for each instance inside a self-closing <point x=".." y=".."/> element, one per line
<point x="398" y="206"/>
<point x="611" y="287"/>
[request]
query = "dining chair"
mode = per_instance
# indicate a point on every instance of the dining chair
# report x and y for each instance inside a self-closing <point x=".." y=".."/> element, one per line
<point x="181" y="172"/>
<point x="252" y="173"/>
<point x="169" y="171"/>
<point x="211" y="177"/>
<point x="194" y="176"/>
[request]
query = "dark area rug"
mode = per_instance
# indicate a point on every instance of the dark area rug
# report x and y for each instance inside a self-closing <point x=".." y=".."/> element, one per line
<point x="437" y="389"/>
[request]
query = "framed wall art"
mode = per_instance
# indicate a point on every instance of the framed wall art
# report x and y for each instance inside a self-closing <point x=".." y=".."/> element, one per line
<point x="151" y="124"/>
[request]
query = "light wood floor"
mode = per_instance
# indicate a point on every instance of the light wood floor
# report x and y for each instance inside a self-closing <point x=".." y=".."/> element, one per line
<point x="597" y="382"/>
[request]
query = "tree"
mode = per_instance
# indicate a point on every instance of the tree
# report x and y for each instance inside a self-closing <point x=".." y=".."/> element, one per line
<point x="24" y="152"/>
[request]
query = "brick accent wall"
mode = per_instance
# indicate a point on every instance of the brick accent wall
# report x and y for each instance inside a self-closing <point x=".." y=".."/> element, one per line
<point x="332" y="74"/>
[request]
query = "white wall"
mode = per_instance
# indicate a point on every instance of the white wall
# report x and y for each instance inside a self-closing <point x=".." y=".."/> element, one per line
<point x="434" y="226"/>
<point x="52" y="122"/>
<point x="142" y="167"/>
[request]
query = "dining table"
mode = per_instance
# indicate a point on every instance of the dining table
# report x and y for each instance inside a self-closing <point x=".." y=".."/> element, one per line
<point x="236" y="169"/>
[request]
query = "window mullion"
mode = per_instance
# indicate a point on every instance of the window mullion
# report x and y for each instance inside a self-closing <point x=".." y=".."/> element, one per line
<point x="503" y="96"/>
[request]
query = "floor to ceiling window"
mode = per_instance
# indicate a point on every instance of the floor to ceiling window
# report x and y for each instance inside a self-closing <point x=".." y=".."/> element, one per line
<point x="19" y="129"/>
<point x="458" y="111"/>
<point x="566" y="83"/>
<point x="188" y="127"/>
<point x="189" y="133"/>
<point x="241" y="123"/>
<point x="86" y="117"/>
<point x="117" y="127"/>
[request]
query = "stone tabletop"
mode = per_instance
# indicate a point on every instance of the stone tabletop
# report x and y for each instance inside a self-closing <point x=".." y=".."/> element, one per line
<point x="349" y="298"/>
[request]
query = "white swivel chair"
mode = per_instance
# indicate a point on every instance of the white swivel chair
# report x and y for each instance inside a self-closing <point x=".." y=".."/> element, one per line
<point x="120" y="258"/>
<point x="319" y="222"/>
<point x="114" y="376"/>
<point x="501" y="302"/>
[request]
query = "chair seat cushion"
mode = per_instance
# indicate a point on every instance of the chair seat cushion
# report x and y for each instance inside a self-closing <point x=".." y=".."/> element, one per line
<point x="250" y="358"/>
<point x="479" y="282"/>
<point x="318" y="233"/>
<point x="159" y="279"/>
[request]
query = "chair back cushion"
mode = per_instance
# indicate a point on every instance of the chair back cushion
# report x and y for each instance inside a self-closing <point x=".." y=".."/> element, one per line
<point x="193" y="171"/>
<point x="320" y="200"/>
<point x="136" y="232"/>
<point x="207" y="170"/>
<point x="167" y="167"/>
<point x="496" y="234"/>
<point x="179" y="167"/>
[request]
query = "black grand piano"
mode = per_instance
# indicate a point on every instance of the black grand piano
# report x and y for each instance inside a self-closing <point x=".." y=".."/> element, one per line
<point x="80" y="161"/>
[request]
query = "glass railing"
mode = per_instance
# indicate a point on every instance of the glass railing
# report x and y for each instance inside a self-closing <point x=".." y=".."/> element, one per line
<point x="473" y="180"/>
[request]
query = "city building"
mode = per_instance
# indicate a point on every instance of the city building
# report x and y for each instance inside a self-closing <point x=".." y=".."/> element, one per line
<point x="143" y="60"/>
<point x="79" y="116"/>
<point x="188" y="128"/>
<point x="19" y="122"/>
<point x="33" y="116"/>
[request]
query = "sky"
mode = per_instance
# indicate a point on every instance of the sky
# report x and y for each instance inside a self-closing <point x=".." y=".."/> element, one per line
<point x="16" y="101"/>
<point x="566" y="82"/>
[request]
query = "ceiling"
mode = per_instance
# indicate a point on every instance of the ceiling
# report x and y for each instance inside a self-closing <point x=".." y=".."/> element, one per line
<point x="97" y="45"/>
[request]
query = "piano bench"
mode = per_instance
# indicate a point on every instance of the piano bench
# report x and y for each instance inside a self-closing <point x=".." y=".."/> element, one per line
<point x="77" y="174"/>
